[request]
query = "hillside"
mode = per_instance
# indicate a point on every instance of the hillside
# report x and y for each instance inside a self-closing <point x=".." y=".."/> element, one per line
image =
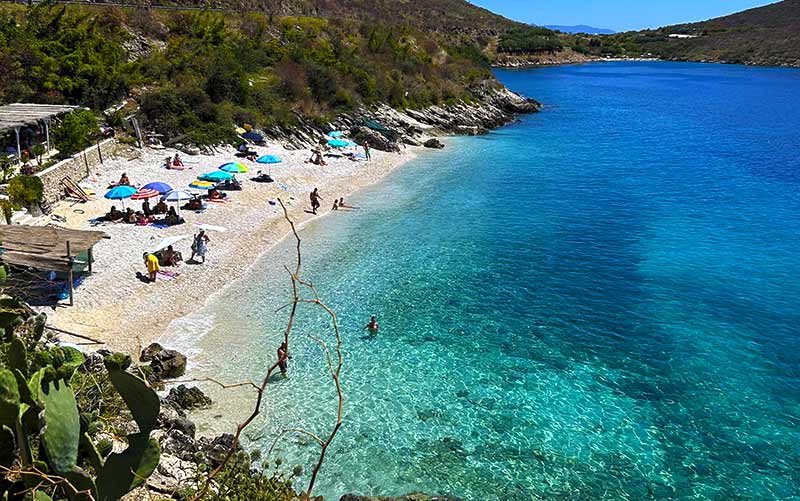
<point x="763" y="36"/>
<point x="196" y="68"/>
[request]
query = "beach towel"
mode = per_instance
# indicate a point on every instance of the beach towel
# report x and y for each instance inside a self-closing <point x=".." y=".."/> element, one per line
<point x="167" y="275"/>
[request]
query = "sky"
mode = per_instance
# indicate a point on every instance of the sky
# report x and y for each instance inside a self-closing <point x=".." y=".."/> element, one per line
<point x="618" y="15"/>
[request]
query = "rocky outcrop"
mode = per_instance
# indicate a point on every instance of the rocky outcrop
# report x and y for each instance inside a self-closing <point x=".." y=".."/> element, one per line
<point x="385" y="127"/>
<point x="414" y="496"/>
<point x="164" y="363"/>
<point x="433" y="143"/>
<point x="187" y="397"/>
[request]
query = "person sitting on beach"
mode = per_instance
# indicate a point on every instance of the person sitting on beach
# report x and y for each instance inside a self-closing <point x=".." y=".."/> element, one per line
<point x="316" y="158"/>
<point x="151" y="262"/>
<point x="142" y="220"/>
<point x="170" y="257"/>
<point x="200" y="246"/>
<point x="114" y="214"/>
<point x="230" y="184"/>
<point x="160" y="208"/>
<point x="194" y="204"/>
<point x="372" y="326"/>
<point x="283" y="358"/>
<point x="251" y="155"/>
<point x="123" y="180"/>
<point x="335" y="204"/>
<point x="172" y="218"/>
<point x="177" y="162"/>
<point x="262" y="178"/>
<point x="146" y="210"/>
<point x="130" y="216"/>
<point x="215" y="194"/>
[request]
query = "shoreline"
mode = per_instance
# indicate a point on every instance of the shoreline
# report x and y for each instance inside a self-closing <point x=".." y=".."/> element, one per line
<point x="115" y="307"/>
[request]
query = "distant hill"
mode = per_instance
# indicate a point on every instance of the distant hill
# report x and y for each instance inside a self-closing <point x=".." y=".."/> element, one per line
<point x="581" y="28"/>
<point x="768" y="35"/>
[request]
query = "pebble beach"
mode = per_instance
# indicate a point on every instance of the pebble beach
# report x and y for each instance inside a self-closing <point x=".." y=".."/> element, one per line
<point x="117" y="308"/>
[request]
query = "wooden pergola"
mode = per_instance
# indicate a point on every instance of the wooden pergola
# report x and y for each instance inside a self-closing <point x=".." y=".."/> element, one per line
<point x="18" y="115"/>
<point x="47" y="248"/>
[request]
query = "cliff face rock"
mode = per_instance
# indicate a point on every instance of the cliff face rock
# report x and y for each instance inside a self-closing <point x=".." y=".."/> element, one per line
<point x="385" y="127"/>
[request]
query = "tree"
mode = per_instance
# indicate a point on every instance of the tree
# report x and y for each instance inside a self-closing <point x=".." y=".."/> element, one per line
<point x="75" y="132"/>
<point x="27" y="190"/>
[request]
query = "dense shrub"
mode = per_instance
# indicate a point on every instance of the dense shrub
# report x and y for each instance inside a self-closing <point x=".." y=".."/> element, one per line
<point x="27" y="190"/>
<point x="75" y="132"/>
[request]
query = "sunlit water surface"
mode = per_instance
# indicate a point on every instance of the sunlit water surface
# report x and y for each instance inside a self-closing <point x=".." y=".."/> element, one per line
<point x="598" y="302"/>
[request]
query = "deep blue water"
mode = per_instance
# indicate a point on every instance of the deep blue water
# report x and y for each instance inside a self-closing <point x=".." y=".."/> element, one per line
<point x="598" y="302"/>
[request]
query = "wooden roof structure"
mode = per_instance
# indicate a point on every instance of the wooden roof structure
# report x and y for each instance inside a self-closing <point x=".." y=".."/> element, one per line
<point x="21" y="114"/>
<point x="45" y="247"/>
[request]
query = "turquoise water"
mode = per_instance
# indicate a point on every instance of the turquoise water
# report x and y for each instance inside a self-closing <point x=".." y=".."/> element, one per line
<point x="598" y="302"/>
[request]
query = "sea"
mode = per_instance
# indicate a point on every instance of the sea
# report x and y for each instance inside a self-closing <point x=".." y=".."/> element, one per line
<point x="600" y="301"/>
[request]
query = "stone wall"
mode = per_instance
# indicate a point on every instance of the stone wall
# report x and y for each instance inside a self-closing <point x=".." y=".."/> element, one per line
<point x="76" y="168"/>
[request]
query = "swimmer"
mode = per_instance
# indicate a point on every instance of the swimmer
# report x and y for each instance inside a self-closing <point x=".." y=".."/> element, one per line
<point x="372" y="326"/>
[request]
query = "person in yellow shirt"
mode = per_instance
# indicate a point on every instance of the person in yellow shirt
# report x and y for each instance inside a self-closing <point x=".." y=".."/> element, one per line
<point x="151" y="261"/>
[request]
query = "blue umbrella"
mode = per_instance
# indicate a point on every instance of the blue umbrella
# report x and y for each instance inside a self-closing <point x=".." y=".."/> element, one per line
<point x="160" y="187"/>
<point x="335" y="133"/>
<point x="340" y="143"/>
<point x="120" y="193"/>
<point x="253" y="136"/>
<point x="216" y="176"/>
<point x="269" y="159"/>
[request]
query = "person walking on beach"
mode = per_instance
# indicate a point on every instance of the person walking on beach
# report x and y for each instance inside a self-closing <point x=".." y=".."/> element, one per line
<point x="151" y="262"/>
<point x="200" y="246"/>
<point x="283" y="358"/>
<point x="373" y="326"/>
<point x="315" y="198"/>
<point x="366" y="151"/>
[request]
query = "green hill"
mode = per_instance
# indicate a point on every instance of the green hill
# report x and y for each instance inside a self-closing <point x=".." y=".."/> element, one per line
<point x="195" y="68"/>
<point x="768" y="35"/>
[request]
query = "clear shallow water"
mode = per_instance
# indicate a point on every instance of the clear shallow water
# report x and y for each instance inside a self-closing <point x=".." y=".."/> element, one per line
<point x="598" y="302"/>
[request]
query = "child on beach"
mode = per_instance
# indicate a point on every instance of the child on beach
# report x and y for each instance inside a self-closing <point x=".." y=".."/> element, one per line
<point x="200" y="246"/>
<point x="151" y="262"/>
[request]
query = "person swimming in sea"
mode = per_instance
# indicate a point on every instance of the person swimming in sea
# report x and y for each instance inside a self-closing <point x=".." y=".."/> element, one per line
<point x="372" y="326"/>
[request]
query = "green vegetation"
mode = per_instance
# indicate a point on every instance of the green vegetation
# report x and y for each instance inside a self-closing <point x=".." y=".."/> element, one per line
<point x="529" y="40"/>
<point x="765" y="36"/>
<point x="46" y="439"/>
<point x="75" y="132"/>
<point x="26" y="190"/>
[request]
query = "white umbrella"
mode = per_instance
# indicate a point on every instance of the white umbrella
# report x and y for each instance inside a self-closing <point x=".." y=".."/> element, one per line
<point x="209" y="227"/>
<point x="166" y="242"/>
<point x="177" y="196"/>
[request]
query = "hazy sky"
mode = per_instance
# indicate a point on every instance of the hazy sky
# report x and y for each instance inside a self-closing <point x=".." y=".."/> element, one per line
<point x="619" y="15"/>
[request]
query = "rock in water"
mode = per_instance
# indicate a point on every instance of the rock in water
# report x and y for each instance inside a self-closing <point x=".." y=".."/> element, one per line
<point x="433" y="143"/>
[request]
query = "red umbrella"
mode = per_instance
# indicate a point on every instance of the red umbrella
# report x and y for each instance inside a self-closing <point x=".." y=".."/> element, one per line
<point x="145" y="193"/>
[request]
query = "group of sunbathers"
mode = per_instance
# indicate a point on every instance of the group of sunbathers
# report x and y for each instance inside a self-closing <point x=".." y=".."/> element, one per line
<point x="340" y="204"/>
<point x="145" y="216"/>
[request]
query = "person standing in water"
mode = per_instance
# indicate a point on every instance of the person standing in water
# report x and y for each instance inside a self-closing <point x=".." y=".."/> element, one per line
<point x="315" y="198"/>
<point x="283" y="358"/>
<point x="372" y="326"/>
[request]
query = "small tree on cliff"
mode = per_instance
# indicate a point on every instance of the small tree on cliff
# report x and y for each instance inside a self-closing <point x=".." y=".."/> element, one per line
<point x="75" y="132"/>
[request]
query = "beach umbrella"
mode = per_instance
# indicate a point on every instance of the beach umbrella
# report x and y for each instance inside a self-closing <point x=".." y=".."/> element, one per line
<point x="234" y="167"/>
<point x="144" y="193"/>
<point x="335" y="133"/>
<point x="340" y="143"/>
<point x="166" y="242"/>
<point x="253" y="136"/>
<point x="202" y="185"/>
<point x="216" y="176"/>
<point x="177" y="196"/>
<point x="120" y="193"/>
<point x="210" y="227"/>
<point x="161" y="188"/>
<point x="269" y="160"/>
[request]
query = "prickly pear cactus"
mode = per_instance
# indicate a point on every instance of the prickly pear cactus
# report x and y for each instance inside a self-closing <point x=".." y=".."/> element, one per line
<point x="61" y="433"/>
